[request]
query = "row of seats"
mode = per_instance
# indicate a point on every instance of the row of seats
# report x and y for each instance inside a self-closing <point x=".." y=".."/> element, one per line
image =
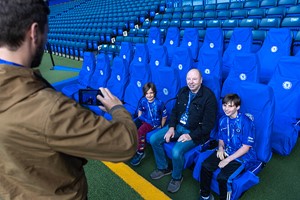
<point x="268" y="118"/>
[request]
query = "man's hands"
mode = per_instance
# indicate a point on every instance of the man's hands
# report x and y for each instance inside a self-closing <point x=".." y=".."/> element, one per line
<point x="169" y="134"/>
<point x="108" y="100"/>
<point x="184" y="137"/>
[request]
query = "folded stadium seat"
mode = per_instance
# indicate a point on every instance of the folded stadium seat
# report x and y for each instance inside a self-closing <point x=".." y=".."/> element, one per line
<point x="158" y="59"/>
<point x="276" y="12"/>
<point x="293" y="23"/>
<point x="171" y="42"/>
<point x="251" y="4"/>
<point x="187" y="24"/>
<point x="293" y="11"/>
<point x="262" y="110"/>
<point x="268" y="3"/>
<point x="213" y="23"/>
<point x="224" y="14"/>
<point x="209" y="7"/>
<point x="222" y="6"/>
<point x="187" y="16"/>
<point x="198" y="8"/>
<point x="167" y="16"/>
<point x="240" y="43"/>
<point x="268" y="23"/>
<point x="146" y="24"/>
<point x="296" y="44"/>
<point x="239" y="14"/>
<point x="251" y="23"/>
<point x="85" y="74"/>
<point x="287" y="3"/>
<point x="257" y="13"/>
<point x="154" y="39"/>
<point x="229" y="25"/>
<point x="258" y="39"/>
<point x="177" y="16"/>
<point x="285" y="83"/>
<point x="191" y="40"/>
<point x="245" y="68"/>
<point x="236" y="5"/>
<point x="277" y="44"/>
<point x="175" y="23"/>
<point x="210" y="15"/>
<point x="213" y="41"/>
<point x="200" y="24"/>
<point x="182" y="62"/>
<point x="126" y="51"/>
<point x="170" y="10"/>
<point x="188" y="8"/>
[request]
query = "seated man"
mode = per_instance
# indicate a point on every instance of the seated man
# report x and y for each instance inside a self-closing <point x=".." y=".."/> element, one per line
<point x="236" y="137"/>
<point x="191" y="121"/>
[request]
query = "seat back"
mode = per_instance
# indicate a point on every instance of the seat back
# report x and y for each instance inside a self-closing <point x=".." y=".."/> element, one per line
<point x="240" y="43"/>
<point x="126" y="51"/>
<point x="154" y="39"/>
<point x="139" y="76"/>
<point x="285" y="83"/>
<point x="182" y="62"/>
<point x="167" y="84"/>
<point x="141" y="53"/>
<point x="119" y="77"/>
<point x="191" y="40"/>
<point x="277" y="44"/>
<point x="102" y="72"/>
<point x="213" y="41"/>
<point x="87" y="69"/>
<point x="172" y="42"/>
<point x="245" y="69"/>
<point x="209" y="64"/>
<point x="158" y="59"/>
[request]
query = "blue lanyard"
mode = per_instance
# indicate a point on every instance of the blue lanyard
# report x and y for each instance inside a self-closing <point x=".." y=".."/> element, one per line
<point x="189" y="102"/>
<point x="10" y="63"/>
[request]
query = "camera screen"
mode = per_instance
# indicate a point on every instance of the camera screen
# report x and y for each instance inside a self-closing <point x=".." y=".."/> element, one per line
<point x="89" y="97"/>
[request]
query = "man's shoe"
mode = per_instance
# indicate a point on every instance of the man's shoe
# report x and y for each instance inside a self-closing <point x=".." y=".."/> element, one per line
<point x="174" y="185"/>
<point x="138" y="157"/>
<point x="157" y="174"/>
<point x="211" y="197"/>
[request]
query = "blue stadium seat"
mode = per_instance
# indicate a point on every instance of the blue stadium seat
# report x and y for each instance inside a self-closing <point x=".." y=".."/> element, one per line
<point x="222" y="6"/>
<point x="210" y="15"/>
<point x="293" y="11"/>
<point x="101" y="73"/>
<point x="210" y="63"/>
<point x="209" y="7"/>
<point x="175" y="23"/>
<point x="285" y="83"/>
<point x="236" y="5"/>
<point x="182" y="62"/>
<point x="251" y="23"/>
<point x="230" y="24"/>
<point x="287" y="3"/>
<point x="213" y="23"/>
<point x="251" y="4"/>
<point x="191" y="40"/>
<point x="154" y="39"/>
<point x="268" y="23"/>
<point x="85" y="74"/>
<point x="119" y="77"/>
<point x="257" y="13"/>
<point x="240" y="43"/>
<point x="213" y="41"/>
<point x="172" y="42"/>
<point x="277" y="44"/>
<point x="239" y="14"/>
<point x="141" y="53"/>
<point x="126" y="51"/>
<point x="224" y="14"/>
<point x="276" y="12"/>
<point x="158" y="59"/>
<point x="268" y="3"/>
<point x="296" y="44"/>
<point x="139" y="76"/>
<point x="245" y="69"/>
<point x="262" y="110"/>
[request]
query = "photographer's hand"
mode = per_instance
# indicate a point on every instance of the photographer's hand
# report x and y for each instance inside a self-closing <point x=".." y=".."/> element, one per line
<point x="108" y="100"/>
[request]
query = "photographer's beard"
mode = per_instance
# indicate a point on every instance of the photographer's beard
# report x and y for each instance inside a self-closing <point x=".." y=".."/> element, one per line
<point x="37" y="59"/>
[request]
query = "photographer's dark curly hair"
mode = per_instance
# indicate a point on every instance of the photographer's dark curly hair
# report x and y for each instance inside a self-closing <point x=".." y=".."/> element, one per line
<point x="16" y="17"/>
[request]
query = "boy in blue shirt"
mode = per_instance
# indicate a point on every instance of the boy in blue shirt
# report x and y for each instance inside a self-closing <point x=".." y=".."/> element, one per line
<point x="152" y="114"/>
<point x="236" y="139"/>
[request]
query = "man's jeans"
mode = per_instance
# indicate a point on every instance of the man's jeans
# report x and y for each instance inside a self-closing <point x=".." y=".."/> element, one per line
<point x="157" y="140"/>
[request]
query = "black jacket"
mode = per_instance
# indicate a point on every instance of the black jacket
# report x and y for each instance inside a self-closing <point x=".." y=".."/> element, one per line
<point x="202" y="113"/>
